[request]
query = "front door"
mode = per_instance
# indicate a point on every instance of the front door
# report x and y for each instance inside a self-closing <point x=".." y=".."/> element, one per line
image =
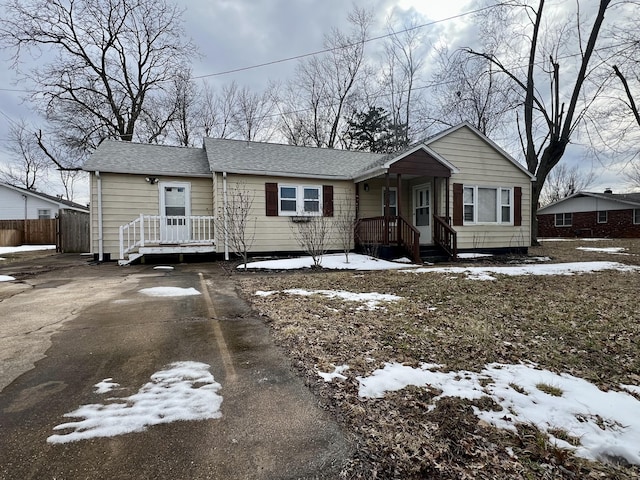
<point x="422" y="212"/>
<point x="174" y="212"/>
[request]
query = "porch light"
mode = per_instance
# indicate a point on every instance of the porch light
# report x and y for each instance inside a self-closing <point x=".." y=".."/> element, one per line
<point x="151" y="180"/>
<point x="366" y="187"/>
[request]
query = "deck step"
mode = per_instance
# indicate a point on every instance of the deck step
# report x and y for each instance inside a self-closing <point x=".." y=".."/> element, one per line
<point x="433" y="254"/>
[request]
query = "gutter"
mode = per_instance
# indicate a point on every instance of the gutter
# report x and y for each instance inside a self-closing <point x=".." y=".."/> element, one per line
<point x="225" y="216"/>
<point x="100" y="239"/>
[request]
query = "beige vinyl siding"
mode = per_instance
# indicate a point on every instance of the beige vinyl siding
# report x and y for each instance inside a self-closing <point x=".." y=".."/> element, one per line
<point x="275" y="234"/>
<point x="480" y="164"/>
<point x="125" y="197"/>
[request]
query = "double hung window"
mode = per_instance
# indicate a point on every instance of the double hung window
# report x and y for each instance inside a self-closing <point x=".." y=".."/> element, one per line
<point x="300" y="200"/>
<point x="487" y="205"/>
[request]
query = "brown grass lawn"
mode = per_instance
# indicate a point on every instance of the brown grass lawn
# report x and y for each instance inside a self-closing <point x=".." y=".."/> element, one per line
<point x="585" y="325"/>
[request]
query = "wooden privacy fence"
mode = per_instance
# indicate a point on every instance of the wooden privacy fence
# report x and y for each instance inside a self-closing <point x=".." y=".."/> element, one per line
<point x="27" y="232"/>
<point x="73" y="232"/>
<point x="69" y="232"/>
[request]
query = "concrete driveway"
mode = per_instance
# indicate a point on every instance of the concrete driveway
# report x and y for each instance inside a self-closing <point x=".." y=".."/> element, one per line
<point x="66" y="325"/>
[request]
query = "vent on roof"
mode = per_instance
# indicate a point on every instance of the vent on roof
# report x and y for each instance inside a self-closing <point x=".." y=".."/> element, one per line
<point x="608" y="190"/>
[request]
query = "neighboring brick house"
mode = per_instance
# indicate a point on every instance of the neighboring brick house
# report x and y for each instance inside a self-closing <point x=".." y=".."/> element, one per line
<point x="587" y="214"/>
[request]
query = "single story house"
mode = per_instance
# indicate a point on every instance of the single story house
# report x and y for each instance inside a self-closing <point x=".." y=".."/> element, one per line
<point x="18" y="203"/>
<point x="588" y="214"/>
<point x="454" y="191"/>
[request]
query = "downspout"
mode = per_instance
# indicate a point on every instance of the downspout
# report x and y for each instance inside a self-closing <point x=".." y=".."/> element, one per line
<point x="225" y="216"/>
<point x="100" y="239"/>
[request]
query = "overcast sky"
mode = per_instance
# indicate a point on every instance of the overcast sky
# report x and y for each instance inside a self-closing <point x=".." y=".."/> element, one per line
<point x="232" y="34"/>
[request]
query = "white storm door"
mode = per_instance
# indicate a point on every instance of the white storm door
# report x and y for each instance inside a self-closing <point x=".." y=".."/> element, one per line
<point x="175" y="209"/>
<point x="422" y="212"/>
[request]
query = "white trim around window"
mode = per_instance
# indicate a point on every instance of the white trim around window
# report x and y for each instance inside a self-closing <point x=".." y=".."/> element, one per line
<point x="487" y="205"/>
<point x="602" y="216"/>
<point x="300" y="200"/>
<point x="563" y="219"/>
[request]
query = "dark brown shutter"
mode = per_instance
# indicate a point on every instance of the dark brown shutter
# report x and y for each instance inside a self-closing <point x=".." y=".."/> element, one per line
<point x="327" y="200"/>
<point x="458" y="206"/>
<point x="517" y="206"/>
<point x="271" y="199"/>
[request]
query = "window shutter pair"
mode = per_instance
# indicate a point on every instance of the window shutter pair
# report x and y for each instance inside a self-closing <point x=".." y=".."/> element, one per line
<point x="458" y="206"/>
<point x="271" y="199"/>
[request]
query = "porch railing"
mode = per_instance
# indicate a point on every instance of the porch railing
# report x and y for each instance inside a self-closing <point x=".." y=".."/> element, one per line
<point x="445" y="236"/>
<point x="156" y="230"/>
<point x="384" y="231"/>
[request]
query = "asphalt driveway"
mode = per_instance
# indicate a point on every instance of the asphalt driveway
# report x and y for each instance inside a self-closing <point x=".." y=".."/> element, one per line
<point x="66" y="325"/>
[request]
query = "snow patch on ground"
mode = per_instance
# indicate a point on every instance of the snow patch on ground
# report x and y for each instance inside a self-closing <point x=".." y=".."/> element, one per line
<point x="612" y="250"/>
<point x="370" y="300"/>
<point x="337" y="373"/>
<point x="182" y="391"/>
<point x="163" y="267"/>
<point x="605" y="423"/>
<point x="334" y="262"/>
<point x="6" y="278"/>
<point x="474" y="255"/>
<point x="169" y="291"/>
<point x="631" y="388"/>
<point x="105" y="386"/>
<point x="573" y="239"/>
<point x="484" y="273"/>
<point x="25" y="248"/>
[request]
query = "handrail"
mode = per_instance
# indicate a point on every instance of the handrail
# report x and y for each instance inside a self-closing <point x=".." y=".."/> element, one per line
<point x="395" y="230"/>
<point x="157" y="229"/>
<point x="445" y="236"/>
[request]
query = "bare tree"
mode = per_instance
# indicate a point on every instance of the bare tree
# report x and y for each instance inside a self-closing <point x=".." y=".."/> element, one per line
<point x="404" y="60"/>
<point x="29" y="164"/>
<point x="251" y="118"/>
<point x="217" y="110"/>
<point x="547" y="123"/>
<point x="323" y="87"/>
<point x="112" y="59"/>
<point x="312" y="234"/>
<point x="344" y="224"/>
<point x="235" y="222"/>
<point x="564" y="181"/>
<point x="469" y="89"/>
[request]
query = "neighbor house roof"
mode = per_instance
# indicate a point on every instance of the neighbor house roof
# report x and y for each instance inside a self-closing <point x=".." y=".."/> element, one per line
<point x="60" y="202"/>
<point x="631" y="199"/>
<point x="240" y="156"/>
<point x="115" y="156"/>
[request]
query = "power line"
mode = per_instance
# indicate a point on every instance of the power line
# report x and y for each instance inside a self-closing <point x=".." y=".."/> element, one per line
<point x="341" y="47"/>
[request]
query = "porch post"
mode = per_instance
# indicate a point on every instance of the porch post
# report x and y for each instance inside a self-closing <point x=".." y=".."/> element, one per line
<point x="398" y="205"/>
<point x="446" y="214"/>
<point x="142" y="230"/>
<point x="385" y="235"/>
<point x="435" y="210"/>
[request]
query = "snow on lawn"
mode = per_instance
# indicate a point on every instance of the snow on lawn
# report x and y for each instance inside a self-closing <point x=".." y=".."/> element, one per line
<point x="484" y="273"/>
<point x="163" y="267"/>
<point x="371" y="300"/>
<point x="606" y="424"/>
<point x="613" y="250"/>
<point x="337" y="373"/>
<point x="6" y="278"/>
<point x="25" y="248"/>
<point x="182" y="391"/>
<point x="573" y="239"/>
<point x="105" y="386"/>
<point x="474" y="255"/>
<point x="169" y="291"/>
<point x="334" y="261"/>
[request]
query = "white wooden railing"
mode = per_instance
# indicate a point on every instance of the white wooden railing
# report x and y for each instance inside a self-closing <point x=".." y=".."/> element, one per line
<point x="156" y="229"/>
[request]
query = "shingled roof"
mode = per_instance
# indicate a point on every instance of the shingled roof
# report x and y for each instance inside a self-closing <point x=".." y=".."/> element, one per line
<point x="114" y="156"/>
<point x="240" y="156"/>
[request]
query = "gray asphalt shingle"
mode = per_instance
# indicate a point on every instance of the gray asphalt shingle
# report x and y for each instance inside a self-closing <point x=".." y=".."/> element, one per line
<point x="139" y="158"/>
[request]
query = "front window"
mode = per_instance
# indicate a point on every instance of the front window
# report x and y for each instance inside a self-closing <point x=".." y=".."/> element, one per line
<point x="300" y="200"/>
<point x="44" y="214"/>
<point x="564" y="219"/>
<point x="487" y="205"/>
<point x="636" y="216"/>
<point x="602" y="217"/>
